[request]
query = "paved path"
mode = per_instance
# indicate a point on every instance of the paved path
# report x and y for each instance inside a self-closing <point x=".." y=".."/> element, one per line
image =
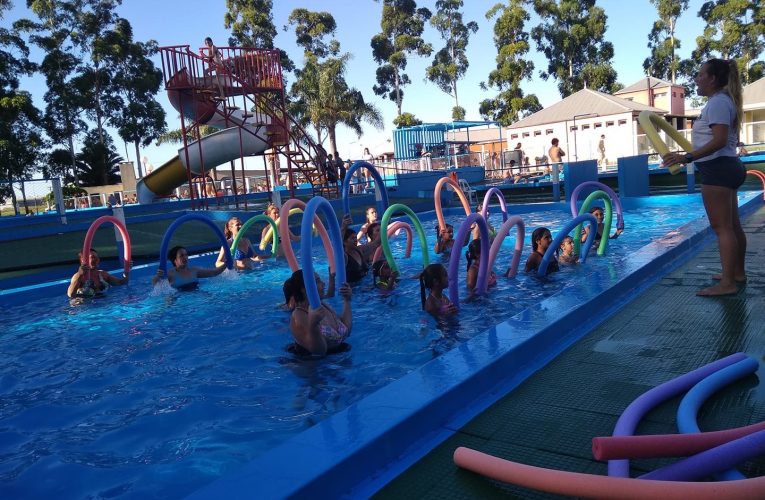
<point x="550" y="419"/>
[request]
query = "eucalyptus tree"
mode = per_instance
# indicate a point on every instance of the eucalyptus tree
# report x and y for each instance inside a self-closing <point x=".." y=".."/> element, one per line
<point x="321" y="95"/>
<point x="252" y="25"/>
<point x="734" y="29"/>
<point x="571" y="36"/>
<point x="664" y="62"/>
<point x="402" y="26"/>
<point x="450" y="63"/>
<point x="512" y="44"/>
<point x="136" y="80"/>
<point x="21" y="139"/>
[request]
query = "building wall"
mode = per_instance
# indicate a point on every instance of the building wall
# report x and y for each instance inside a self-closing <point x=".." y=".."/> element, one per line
<point x="670" y="99"/>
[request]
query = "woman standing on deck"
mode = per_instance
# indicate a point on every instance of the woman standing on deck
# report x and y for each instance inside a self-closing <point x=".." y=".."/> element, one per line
<point x="715" y="135"/>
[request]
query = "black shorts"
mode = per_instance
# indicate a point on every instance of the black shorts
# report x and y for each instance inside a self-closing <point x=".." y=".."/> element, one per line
<point x="725" y="171"/>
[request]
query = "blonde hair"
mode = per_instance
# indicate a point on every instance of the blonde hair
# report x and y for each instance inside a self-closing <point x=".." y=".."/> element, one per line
<point x="727" y="77"/>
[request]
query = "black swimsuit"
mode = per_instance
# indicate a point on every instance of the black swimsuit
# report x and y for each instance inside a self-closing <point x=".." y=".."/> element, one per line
<point x="353" y="270"/>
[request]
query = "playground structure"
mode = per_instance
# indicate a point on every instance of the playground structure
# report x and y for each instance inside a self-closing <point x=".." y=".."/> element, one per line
<point x="241" y="95"/>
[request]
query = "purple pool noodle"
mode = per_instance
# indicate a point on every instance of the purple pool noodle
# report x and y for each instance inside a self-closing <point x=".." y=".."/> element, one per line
<point x="631" y="416"/>
<point x="713" y="460"/>
<point x="698" y="394"/>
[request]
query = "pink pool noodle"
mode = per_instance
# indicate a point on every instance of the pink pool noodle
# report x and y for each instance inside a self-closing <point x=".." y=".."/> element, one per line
<point x="665" y="445"/>
<point x="592" y="486"/>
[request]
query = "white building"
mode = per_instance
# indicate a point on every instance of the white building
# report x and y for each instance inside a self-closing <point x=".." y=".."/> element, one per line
<point x="753" y="131"/>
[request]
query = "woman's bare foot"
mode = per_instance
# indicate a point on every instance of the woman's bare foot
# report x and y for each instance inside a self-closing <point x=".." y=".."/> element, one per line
<point x="738" y="279"/>
<point x="718" y="290"/>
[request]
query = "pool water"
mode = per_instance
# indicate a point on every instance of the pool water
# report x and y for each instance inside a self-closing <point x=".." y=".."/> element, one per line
<point x="147" y="393"/>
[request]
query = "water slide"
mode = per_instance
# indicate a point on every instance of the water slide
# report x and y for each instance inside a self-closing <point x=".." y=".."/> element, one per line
<point x="216" y="149"/>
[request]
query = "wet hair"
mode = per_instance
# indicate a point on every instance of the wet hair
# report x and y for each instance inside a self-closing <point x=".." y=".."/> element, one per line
<point x="595" y="209"/>
<point x="428" y="277"/>
<point x="473" y="252"/>
<point x="554" y="142"/>
<point x="370" y="227"/>
<point x="208" y="39"/>
<point x="377" y="269"/>
<point x="537" y="235"/>
<point x="173" y="253"/>
<point x="79" y="254"/>
<point x="270" y="207"/>
<point x="226" y="231"/>
<point x="294" y="287"/>
<point x="369" y="209"/>
<point x="566" y="239"/>
<point x="726" y="75"/>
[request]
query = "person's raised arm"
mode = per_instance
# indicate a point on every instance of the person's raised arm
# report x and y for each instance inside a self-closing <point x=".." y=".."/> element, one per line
<point x="305" y="329"/>
<point x="347" y="315"/>
<point x="221" y="260"/>
<point x="113" y="280"/>
<point x="75" y="281"/>
<point x="204" y="272"/>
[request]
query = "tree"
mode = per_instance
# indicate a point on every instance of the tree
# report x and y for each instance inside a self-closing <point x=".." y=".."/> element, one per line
<point x="571" y="37"/>
<point x="252" y="25"/>
<point x="512" y="44"/>
<point x="450" y="63"/>
<point x="406" y="120"/>
<point x="320" y="95"/>
<point x="735" y="29"/>
<point x="664" y="62"/>
<point x="140" y="118"/>
<point x="98" y="161"/>
<point x="402" y="25"/>
<point x="20" y="131"/>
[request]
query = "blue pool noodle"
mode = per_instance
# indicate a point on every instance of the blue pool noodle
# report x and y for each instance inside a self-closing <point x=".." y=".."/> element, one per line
<point x="481" y="284"/>
<point x="306" y="246"/>
<point x="644" y="403"/>
<point x="579" y="219"/>
<point x="379" y="186"/>
<point x="185" y="218"/>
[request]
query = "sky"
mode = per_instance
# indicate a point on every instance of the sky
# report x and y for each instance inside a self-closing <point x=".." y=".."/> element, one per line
<point x="175" y="22"/>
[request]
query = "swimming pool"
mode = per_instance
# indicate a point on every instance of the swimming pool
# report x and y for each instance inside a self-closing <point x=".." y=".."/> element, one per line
<point x="160" y="394"/>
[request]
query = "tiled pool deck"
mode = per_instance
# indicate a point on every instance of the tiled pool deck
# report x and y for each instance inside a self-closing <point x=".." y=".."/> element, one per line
<point x="550" y="419"/>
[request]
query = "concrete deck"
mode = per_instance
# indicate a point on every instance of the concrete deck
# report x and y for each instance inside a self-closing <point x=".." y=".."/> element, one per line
<point x="550" y="419"/>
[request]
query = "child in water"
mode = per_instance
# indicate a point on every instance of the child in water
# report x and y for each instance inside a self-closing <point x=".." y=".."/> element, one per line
<point x="183" y="277"/>
<point x="597" y="212"/>
<point x="473" y="256"/>
<point x="383" y="276"/>
<point x="445" y="240"/>
<point x="435" y="278"/>
<point x="90" y="281"/>
<point x="540" y="242"/>
<point x="566" y="251"/>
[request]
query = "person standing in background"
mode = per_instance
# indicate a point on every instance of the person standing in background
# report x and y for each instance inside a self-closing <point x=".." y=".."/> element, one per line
<point x="602" y="152"/>
<point x="556" y="154"/>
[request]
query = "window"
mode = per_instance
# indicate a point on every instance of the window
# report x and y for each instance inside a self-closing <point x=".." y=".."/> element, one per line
<point x="609" y="124"/>
<point x="660" y="94"/>
<point x="537" y="132"/>
<point x="513" y="136"/>
<point x="598" y="125"/>
<point x="525" y="134"/>
<point x="682" y="94"/>
<point x="630" y="98"/>
<point x="622" y="122"/>
<point x="585" y="126"/>
<point x="549" y="131"/>
<point x="573" y="127"/>
<point x="674" y="94"/>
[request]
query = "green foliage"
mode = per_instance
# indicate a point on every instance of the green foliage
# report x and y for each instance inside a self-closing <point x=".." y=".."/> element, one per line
<point x="252" y="25"/>
<point x="98" y="162"/>
<point x="310" y="30"/>
<point x="406" y="120"/>
<point x="450" y="63"/>
<point x="571" y="36"/>
<point x="67" y="192"/>
<point x="663" y="62"/>
<point x="402" y="26"/>
<point x="512" y="44"/>
<point x="458" y="113"/>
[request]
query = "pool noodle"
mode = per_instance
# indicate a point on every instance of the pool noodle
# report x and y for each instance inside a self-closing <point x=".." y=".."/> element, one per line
<point x="455" y="258"/>
<point x="496" y="245"/>
<point x="602" y="187"/>
<point x="502" y="204"/>
<point x="593" y="486"/>
<point x="284" y="234"/>
<point x="631" y="416"/>
<point x="385" y="244"/>
<point x="393" y="228"/>
<point x="87" y="244"/>
<point x="315" y="204"/>
<point x="250" y="222"/>
<point x="666" y="445"/>
<point x="437" y="199"/>
<point x="760" y="176"/>
<point x="570" y="225"/>
<point x="712" y="461"/>
<point x="380" y="188"/>
<point x="185" y="218"/>
<point x="692" y="401"/>
<point x="595" y="195"/>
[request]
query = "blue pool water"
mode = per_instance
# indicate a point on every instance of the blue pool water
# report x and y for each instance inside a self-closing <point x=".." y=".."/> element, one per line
<point x="154" y="394"/>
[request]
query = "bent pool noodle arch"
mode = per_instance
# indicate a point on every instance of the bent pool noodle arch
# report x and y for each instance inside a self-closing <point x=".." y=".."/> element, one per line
<point x="437" y="199"/>
<point x="577" y="484"/>
<point x="270" y="233"/>
<point x="250" y="222"/>
<point x="644" y="403"/>
<point x="306" y="246"/>
<point x="595" y="195"/>
<point x="760" y="176"/>
<point x="183" y="219"/>
<point x="649" y="121"/>
<point x="88" y="243"/>
<point x="666" y="445"/>
<point x="602" y="187"/>
<point x="381" y="192"/>
<point x="385" y="243"/>
<point x="699" y="393"/>
<point x="570" y="225"/>
<point x="496" y="245"/>
<point x="393" y="229"/>
<point x="502" y="203"/>
<point x="481" y="284"/>
<point x="284" y="234"/>
<point x="712" y="461"/>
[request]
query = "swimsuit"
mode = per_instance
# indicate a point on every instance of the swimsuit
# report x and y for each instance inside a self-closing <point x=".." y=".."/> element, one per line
<point x="491" y="278"/>
<point x="445" y="304"/>
<point x="354" y="270"/>
<point x="185" y="283"/>
<point x="239" y="255"/>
